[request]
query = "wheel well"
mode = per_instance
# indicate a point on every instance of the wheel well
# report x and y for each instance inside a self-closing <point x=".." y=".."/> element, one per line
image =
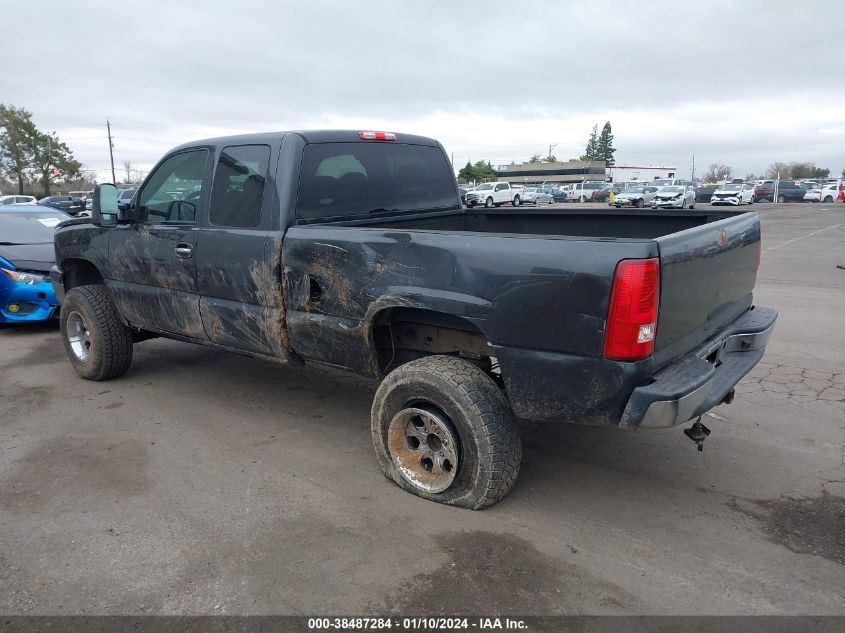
<point x="80" y="272"/>
<point x="401" y="335"/>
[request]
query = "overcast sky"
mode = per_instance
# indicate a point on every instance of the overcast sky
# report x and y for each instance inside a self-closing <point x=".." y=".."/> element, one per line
<point x="743" y="83"/>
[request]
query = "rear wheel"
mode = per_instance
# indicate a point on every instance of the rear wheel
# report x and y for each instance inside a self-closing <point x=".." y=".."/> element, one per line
<point x="640" y="203"/>
<point x="516" y="201"/>
<point x="781" y="199"/>
<point x="98" y="345"/>
<point x="488" y="203"/>
<point x="444" y="431"/>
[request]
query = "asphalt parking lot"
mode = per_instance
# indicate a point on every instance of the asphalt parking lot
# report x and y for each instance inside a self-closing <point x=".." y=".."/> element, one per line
<point x="207" y="483"/>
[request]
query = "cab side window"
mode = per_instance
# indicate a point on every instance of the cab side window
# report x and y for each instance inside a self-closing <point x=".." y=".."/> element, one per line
<point x="238" y="190"/>
<point x="173" y="191"/>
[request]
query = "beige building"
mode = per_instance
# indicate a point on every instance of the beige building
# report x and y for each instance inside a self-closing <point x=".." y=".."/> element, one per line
<point x="552" y="173"/>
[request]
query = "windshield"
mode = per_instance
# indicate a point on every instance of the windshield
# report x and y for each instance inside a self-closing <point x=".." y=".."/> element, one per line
<point x="29" y="227"/>
<point x="671" y="189"/>
<point x="484" y="187"/>
<point x="339" y="179"/>
<point x="663" y="181"/>
<point x="635" y="190"/>
<point x="731" y="187"/>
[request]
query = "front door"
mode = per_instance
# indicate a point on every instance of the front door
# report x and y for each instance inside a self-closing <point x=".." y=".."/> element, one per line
<point x="152" y="260"/>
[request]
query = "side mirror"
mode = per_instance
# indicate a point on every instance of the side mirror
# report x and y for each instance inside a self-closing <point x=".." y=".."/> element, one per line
<point x="104" y="205"/>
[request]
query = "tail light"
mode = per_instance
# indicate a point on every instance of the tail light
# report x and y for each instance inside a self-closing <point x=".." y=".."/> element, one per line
<point x="632" y="317"/>
<point x="377" y="136"/>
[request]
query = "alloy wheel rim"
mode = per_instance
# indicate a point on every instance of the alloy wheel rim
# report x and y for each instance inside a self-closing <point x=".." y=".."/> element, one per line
<point x="78" y="336"/>
<point x="423" y="447"/>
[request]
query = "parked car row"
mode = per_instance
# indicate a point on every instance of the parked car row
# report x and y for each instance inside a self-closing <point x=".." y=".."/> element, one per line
<point x="641" y="194"/>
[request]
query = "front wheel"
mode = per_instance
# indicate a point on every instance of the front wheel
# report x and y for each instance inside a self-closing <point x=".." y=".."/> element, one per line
<point x="488" y="204"/>
<point x="97" y="343"/>
<point x="444" y="431"/>
<point x="640" y="203"/>
<point x="828" y="199"/>
<point x="781" y="199"/>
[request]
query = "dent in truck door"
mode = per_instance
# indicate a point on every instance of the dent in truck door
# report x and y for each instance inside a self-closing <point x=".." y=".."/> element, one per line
<point x="237" y="262"/>
<point x="153" y="269"/>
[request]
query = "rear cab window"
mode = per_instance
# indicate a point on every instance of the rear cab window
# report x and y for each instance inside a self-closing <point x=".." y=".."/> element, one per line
<point x="238" y="190"/>
<point x="357" y="179"/>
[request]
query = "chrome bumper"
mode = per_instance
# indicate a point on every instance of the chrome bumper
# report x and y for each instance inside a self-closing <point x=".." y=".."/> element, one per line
<point x="702" y="379"/>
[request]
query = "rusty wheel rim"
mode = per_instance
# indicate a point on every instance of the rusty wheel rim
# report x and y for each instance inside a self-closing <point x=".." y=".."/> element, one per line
<point x="424" y="449"/>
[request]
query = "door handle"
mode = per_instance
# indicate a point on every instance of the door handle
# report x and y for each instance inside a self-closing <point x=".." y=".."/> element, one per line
<point x="184" y="250"/>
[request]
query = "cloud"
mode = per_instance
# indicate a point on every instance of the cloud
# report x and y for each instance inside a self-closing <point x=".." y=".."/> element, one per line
<point x="740" y="83"/>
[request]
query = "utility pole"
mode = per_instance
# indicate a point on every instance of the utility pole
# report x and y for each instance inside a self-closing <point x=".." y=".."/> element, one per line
<point x="111" y="151"/>
<point x="692" y="175"/>
<point x="551" y="147"/>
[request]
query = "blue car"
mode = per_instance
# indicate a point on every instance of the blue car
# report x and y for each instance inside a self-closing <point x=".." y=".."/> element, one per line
<point x="26" y="255"/>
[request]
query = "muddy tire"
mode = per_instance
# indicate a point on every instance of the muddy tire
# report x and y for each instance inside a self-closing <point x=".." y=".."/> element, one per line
<point x="443" y="430"/>
<point x="97" y="343"/>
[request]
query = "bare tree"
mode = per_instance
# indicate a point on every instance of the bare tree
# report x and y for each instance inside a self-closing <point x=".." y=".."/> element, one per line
<point x="778" y="170"/>
<point x="133" y="174"/>
<point x="717" y="172"/>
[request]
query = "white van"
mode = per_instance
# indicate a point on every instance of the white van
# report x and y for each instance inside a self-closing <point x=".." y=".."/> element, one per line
<point x="583" y="191"/>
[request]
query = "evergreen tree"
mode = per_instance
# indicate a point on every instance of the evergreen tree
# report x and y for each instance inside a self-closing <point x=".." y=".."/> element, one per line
<point x="591" y="150"/>
<point x="604" y="145"/>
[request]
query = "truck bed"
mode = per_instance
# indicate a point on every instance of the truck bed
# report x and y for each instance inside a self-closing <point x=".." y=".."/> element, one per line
<point x="591" y="223"/>
<point x="561" y="279"/>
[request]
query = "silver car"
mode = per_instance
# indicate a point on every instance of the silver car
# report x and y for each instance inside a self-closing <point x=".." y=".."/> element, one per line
<point x="537" y="196"/>
<point x="633" y="197"/>
<point x="674" y="197"/>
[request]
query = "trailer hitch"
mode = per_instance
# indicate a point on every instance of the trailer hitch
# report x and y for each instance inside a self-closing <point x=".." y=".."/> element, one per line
<point x="698" y="433"/>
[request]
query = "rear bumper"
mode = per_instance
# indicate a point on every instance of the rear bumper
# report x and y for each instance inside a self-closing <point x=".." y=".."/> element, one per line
<point x="703" y="378"/>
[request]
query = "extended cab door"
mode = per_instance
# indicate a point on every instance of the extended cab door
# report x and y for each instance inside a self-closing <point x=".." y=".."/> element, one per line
<point x="238" y="263"/>
<point x="152" y="260"/>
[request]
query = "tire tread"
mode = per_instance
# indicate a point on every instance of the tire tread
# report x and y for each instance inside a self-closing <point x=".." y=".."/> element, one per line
<point x="114" y="349"/>
<point x="502" y="448"/>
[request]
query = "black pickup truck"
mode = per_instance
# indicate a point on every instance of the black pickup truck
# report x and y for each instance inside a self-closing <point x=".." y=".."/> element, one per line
<point x="352" y="249"/>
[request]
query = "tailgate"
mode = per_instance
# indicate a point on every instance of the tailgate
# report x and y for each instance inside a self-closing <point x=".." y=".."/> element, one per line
<point x="707" y="274"/>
